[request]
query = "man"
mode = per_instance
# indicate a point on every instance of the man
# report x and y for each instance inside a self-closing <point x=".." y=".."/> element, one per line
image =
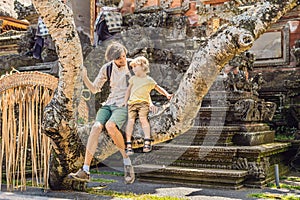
<point x="112" y="115"/>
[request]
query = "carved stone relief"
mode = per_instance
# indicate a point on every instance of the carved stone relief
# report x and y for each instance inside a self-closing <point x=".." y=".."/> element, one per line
<point x="253" y="110"/>
<point x="256" y="169"/>
<point x="157" y="19"/>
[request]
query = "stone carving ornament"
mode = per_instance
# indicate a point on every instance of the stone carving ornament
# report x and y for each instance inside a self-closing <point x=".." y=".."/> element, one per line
<point x="179" y="30"/>
<point x="256" y="169"/>
<point x="157" y="19"/>
<point x="254" y="110"/>
<point x="260" y="169"/>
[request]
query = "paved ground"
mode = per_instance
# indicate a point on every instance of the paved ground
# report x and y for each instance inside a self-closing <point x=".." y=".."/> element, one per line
<point x="181" y="191"/>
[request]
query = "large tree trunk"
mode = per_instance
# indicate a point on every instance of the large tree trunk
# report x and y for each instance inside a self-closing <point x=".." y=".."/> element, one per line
<point x="59" y="121"/>
<point x="60" y="114"/>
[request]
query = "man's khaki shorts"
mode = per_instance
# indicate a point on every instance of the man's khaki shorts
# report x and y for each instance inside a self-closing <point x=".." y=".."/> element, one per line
<point x="138" y="109"/>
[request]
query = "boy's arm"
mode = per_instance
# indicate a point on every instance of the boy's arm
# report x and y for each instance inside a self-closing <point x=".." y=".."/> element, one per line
<point x="127" y="94"/>
<point x="163" y="91"/>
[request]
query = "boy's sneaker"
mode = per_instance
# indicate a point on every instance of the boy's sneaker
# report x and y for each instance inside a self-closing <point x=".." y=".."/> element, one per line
<point x="129" y="174"/>
<point x="80" y="175"/>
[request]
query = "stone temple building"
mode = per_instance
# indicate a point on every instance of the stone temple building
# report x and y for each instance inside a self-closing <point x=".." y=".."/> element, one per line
<point x="250" y="119"/>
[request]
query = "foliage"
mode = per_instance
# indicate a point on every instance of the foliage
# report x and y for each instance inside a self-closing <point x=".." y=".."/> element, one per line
<point x="284" y="137"/>
<point x="102" y="180"/>
<point x="296" y="179"/>
<point x="290" y="187"/>
<point x="285" y="133"/>
<point x="287" y="196"/>
<point x="80" y="120"/>
<point x="93" y="171"/>
<point x="31" y="183"/>
<point x="273" y="196"/>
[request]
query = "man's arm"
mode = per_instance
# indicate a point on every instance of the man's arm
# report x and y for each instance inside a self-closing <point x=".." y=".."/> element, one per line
<point x="98" y="83"/>
<point x="127" y="94"/>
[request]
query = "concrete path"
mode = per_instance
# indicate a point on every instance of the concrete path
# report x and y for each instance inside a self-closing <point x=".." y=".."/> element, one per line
<point x="155" y="189"/>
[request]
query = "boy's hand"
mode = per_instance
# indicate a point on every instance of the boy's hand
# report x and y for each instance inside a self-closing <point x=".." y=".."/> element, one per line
<point x="153" y="108"/>
<point x="169" y="96"/>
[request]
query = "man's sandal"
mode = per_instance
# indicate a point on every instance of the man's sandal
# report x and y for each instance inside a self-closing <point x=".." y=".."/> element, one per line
<point x="128" y="149"/>
<point x="147" y="145"/>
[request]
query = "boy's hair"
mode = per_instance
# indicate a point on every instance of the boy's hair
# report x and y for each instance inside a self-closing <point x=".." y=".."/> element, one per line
<point x="114" y="51"/>
<point x="141" y="60"/>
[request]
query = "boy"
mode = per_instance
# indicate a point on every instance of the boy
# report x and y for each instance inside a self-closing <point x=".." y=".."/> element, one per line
<point x="138" y="99"/>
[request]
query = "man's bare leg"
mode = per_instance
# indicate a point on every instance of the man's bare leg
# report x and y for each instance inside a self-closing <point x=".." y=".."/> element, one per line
<point x="92" y="143"/>
<point x="83" y="174"/>
<point x="118" y="139"/>
<point x="116" y="136"/>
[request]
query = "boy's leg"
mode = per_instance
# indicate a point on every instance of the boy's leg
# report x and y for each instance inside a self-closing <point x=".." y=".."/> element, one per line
<point x="129" y="130"/>
<point x="146" y="127"/>
<point x="143" y="116"/>
<point x="132" y="114"/>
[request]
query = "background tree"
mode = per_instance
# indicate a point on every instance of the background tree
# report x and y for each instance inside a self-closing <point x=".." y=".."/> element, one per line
<point x="60" y="115"/>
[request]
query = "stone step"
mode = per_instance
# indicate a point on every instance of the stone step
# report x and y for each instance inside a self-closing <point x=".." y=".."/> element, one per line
<point x="211" y="116"/>
<point x="231" y="179"/>
<point x="41" y="67"/>
<point x="207" y="136"/>
<point x="216" y="97"/>
<point x="188" y="156"/>
<point x="253" y="138"/>
<point x="217" y="157"/>
<point x="245" y="135"/>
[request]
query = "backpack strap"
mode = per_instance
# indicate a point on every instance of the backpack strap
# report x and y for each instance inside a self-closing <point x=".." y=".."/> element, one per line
<point x="130" y="68"/>
<point x="108" y="71"/>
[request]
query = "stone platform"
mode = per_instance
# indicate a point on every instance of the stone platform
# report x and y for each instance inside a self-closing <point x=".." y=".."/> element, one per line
<point x="212" y="166"/>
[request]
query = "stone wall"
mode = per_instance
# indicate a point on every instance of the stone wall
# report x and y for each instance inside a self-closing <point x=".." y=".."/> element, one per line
<point x="7" y="7"/>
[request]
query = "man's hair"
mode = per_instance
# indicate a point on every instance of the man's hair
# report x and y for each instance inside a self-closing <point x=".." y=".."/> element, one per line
<point x="141" y="60"/>
<point x="114" y="51"/>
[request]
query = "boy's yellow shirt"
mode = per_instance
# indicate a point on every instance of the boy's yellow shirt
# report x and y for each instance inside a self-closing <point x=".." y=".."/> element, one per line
<point x="141" y="88"/>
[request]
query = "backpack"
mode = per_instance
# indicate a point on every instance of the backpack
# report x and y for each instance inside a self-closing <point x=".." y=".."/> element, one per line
<point x="109" y="70"/>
